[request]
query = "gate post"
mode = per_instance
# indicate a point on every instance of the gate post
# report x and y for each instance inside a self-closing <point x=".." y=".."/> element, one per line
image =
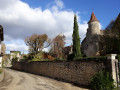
<point x="114" y="67"/>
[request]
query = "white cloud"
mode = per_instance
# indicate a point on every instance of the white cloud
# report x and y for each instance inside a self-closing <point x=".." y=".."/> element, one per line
<point x="19" y="20"/>
<point x="15" y="47"/>
<point x="59" y="3"/>
<point x="56" y="5"/>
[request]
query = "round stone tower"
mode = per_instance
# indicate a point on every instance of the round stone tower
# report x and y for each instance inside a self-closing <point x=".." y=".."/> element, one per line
<point x="93" y="25"/>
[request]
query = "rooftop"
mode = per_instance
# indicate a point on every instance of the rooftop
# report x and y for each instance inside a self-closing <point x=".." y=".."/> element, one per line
<point x="93" y="17"/>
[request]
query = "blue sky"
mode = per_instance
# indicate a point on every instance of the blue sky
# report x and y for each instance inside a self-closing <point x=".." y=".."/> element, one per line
<point x="22" y="18"/>
<point x="105" y="10"/>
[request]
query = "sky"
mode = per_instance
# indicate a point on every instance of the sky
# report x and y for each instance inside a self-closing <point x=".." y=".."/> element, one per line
<point x="22" y="18"/>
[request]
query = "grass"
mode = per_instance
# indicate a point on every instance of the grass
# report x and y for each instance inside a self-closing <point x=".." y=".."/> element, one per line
<point x="0" y="70"/>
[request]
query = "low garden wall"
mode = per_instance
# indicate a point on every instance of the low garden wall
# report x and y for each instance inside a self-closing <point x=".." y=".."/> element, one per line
<point x="77" y="72"/>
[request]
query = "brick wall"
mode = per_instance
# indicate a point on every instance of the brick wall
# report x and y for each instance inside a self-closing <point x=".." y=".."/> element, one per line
<point x="78" y="72"/>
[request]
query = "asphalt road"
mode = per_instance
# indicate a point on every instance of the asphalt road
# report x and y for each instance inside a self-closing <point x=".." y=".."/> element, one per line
<point x="16" y="80"/>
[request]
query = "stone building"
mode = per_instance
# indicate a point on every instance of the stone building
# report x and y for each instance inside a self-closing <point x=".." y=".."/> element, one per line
<point x="1" y="39"/>
<point x="15" y="55"/>
<point x="67" y="50"/>
<point x="90" y="44"/>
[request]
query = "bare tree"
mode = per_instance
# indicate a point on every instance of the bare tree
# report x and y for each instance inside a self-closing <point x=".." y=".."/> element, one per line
<point x="57" y="45"/>
<point x="37" y="43"/>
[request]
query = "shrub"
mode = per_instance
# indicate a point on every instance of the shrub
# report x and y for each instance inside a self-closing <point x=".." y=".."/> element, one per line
<point x="58" y="58"/>
<point x="70" y="57"/>
<point x="15" y="58"/>
<point x="102" y="81"/>
<point x="118" y="57"/>
<point x="87" y="58"/>
<point x="25" y="57"/>
<point x="30" y="56"/>
<point x="38" y="57"/>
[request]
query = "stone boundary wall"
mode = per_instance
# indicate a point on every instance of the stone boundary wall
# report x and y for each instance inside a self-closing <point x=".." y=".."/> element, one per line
<point x="77" y="72"/>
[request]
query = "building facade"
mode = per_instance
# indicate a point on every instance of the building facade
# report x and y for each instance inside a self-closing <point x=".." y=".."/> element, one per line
<point x="1" y="39"/>
<point x="90" y="44"/>
<point x="15" y="55"/>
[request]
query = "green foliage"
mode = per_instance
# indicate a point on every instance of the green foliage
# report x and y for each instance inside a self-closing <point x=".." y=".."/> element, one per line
<point x="28" y="57"/>
<point x="118" y="57"/>
<point x="96" y="57"/>
<point x="25" y="57"/>
<point x="0" y="71"/>
<point x="102" y="81"/>
<point x="38" y="57"/>
<point x="15" y="55"/>
<point x="15" y="58"/>
<point x="87" y="58"/>
<point x="76" y="40"/>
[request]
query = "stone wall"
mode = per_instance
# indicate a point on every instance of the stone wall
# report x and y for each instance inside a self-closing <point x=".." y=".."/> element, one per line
<point x="77" y="72"/>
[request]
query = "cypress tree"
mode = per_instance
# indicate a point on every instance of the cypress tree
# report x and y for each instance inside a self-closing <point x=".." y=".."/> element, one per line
<point x="76" y="40"/>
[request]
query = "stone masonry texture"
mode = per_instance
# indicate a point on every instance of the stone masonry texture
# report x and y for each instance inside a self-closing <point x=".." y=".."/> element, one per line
<point x="77" y="72"/>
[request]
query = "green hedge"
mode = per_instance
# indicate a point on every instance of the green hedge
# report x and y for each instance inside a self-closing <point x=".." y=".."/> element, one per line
<point x="0" y="71"/>
<point x="70" y="57"/>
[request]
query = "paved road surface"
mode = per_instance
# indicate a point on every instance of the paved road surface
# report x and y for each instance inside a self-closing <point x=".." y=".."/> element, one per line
<point x="15" y="80"/>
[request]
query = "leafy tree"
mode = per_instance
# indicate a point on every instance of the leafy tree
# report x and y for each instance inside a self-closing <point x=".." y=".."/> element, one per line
<point x="76" y="40"/>
<point x="37" y="43"/>
<point x="57" y="45"/>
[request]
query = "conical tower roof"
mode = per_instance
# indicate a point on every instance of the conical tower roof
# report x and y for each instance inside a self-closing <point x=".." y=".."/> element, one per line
<point x="93" y="17"/>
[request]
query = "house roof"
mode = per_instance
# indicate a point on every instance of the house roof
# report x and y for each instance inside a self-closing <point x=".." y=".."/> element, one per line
<point x="93" y="17"/>
<point x="1" y="33"/>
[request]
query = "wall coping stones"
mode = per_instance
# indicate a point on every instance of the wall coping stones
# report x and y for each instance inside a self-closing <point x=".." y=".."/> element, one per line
<point x="111" y="56"/>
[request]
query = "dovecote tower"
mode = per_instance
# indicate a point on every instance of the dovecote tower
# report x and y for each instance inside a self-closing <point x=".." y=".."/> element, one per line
<point x="93" y="25"/>
<point x="90" y="45"/>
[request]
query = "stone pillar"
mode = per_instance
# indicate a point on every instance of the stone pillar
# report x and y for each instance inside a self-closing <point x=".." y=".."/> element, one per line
<point x="114" y="67"/>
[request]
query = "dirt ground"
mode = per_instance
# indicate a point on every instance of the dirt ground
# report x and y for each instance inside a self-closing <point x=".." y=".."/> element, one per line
<point x="16" y="80"/>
